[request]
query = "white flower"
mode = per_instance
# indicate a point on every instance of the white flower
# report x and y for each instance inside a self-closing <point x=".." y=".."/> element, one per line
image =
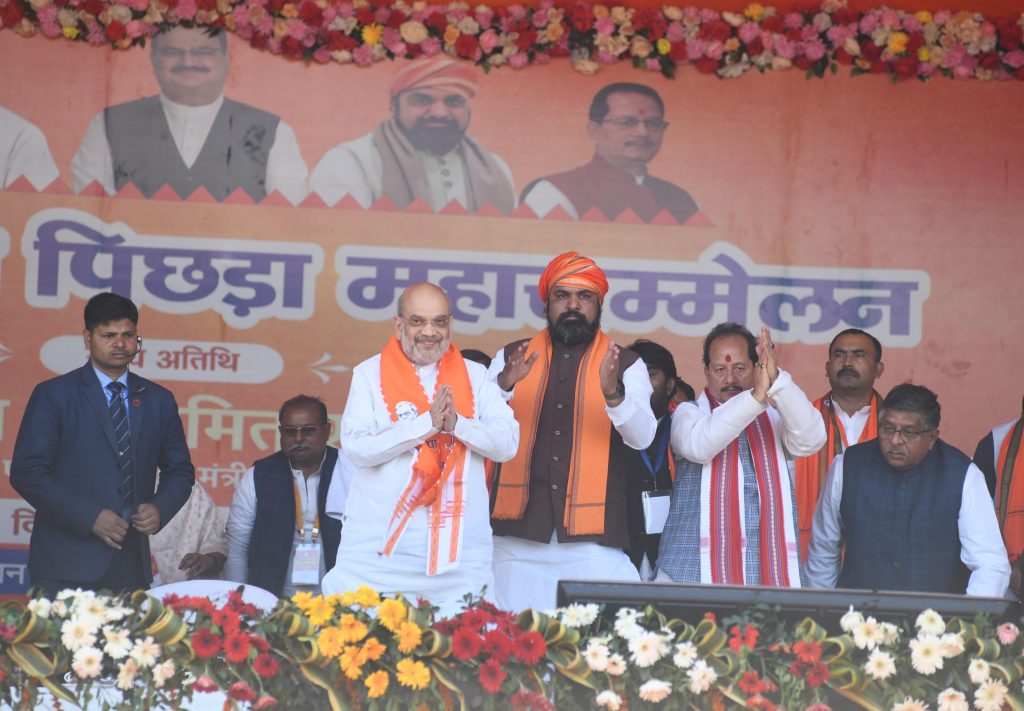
<point x="851" y="618"/>
<point x="990" y="695"/>
<point x="609" y="699"/>
<point x="647" y="648"/>
<point x="68" y="592"/>
<point x="979" y="671"/>
<point x="930" y="622"/>
<point x="891" y="633"/>
<point x="596" y="655"/>
<point x="87" y="662"/>
<point x="59" y="609"/>
<point x="926" y="654"/>
<point x="655" y="690"/>
<point x="162" y="672"/>
<point x="701" y="677"/>
<point x="868" y="634"/>
<point x="880" y="665"/>
<point x="126" y="675"/>
<point x="952" y="645"/>
<point x="40" y="606"/>
<point x="685" y="656"/>
<point x="576" y="615"/>
<point x="626" y="625"/>
<point x="616" y="665"/>
<point x="75" y="634"/>
<point x="627" y="613"/>
<point x="910" y="704"/>
<point x="952" y="700"/>
<point x="118" y="643"/>
<point x="145" y="652"/>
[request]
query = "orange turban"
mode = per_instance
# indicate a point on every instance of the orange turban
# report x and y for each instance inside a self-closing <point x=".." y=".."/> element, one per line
<point x="573" y="269"/>
<point x="443" y="73"/>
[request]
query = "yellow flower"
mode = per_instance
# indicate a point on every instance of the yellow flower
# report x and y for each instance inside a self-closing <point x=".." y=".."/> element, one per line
<point x="374" y="649"/>
<point x="302" y="599"/>
<point x="352" y="661"/>
<point x="898" y="42"/>
<point x="352" y="629"/>
<point x="413" y="674"/>
<point x="923" y="54"/>
<point x="391" y="613"/>
<point x="372" y="34"/>
<point x="70" y="32"/>
<point x="377" y="683"/>
<point x="330" y="641"/>
<point x="451" y="33"/>
<point x="319" y="610"/>
<point x="289" y="10"/>
<point x="348" y="599"/>
<point x="923" y="16"/>
<point x="367" y="597"/>
<point x="409" y="636"/>
<point x="754" y="11"/>
<point x="664" y="46"/>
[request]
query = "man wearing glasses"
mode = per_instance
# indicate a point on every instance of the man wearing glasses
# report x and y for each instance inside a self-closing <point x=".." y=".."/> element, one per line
<point x="191" y="135"/>
<point x="419" y="424"/>
<point x="906" y="511"/>
<point x="280" y="536"/>
<point x="627" y="125"/>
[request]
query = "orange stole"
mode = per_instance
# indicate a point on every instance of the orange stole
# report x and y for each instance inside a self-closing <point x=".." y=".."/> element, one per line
<point x="1010" y="498"/>
<point x="810" y="471"/>
<point x="591" y="438"/>
<point x="440" y="458"/>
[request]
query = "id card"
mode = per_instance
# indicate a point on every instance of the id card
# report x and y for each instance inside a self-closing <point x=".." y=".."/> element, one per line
<point x="655" y="505"/>
<point x="306" y="564"/>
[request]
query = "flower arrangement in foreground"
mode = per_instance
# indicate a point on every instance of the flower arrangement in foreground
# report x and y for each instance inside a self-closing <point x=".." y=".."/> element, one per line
<point x="360" y="650"/>
<point x="816" y="37"/>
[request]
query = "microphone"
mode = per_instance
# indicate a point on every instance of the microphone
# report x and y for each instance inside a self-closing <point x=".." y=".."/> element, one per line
<point x="138" y="347"/>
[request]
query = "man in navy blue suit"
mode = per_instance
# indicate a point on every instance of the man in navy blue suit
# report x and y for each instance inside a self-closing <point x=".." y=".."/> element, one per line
<point x="88" y="450"/>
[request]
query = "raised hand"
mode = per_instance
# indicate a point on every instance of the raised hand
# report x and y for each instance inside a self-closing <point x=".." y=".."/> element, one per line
<point x="516" y="367"/>
<point x="609" y="372"/>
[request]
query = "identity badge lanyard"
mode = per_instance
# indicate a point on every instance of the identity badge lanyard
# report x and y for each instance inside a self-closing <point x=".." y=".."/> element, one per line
<point x="306" y="561"/>
<point x="656" y="503"/>
<point x="662" y="451"/>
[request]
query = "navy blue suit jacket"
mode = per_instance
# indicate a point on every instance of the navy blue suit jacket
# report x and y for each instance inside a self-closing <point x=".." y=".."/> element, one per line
<point x="65" y="466"/>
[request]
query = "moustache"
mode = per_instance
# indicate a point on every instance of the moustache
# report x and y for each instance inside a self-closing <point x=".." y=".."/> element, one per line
<point x="436" y="123"/>
<point x="847" y="371"/>
<point x="640" y="143"/>
<point x="298" y="447"/>
<point x="182" y="68"/>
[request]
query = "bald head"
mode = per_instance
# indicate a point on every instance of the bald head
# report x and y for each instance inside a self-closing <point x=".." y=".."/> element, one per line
<point x="423" y="323"/>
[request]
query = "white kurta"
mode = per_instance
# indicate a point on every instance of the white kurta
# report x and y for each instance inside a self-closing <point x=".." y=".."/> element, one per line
<point x="382" y="452"/>
<point x="355" y="168"/>
<point x="23" y="152"/>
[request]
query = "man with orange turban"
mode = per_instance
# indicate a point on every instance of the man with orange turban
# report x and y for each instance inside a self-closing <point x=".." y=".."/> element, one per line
<point x="422" y="151"/>
<point x="560" y="504"/>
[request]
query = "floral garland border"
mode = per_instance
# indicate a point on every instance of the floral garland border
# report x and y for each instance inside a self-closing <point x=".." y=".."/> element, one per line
<point x="816" y="37"/>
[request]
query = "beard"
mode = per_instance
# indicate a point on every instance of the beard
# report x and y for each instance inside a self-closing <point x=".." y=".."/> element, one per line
<point x="572" y="328"/>
<point x="434" y="139"/>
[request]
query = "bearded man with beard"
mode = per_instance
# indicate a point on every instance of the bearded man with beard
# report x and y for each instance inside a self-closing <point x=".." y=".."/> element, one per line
<point x="559" y="506"/>
<point x="733" y="515"/>
<point x="422" y="151"/>
<point x="419" y="426"/>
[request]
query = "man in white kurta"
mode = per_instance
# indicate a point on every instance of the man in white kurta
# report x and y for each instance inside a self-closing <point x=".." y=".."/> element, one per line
<point x="383" y="450"/>
<point x="733" y="514"/>
<point x="24" y="153"/>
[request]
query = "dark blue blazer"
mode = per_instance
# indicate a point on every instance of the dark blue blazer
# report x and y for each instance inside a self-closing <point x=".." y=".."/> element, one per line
<point x="65" y="466"/>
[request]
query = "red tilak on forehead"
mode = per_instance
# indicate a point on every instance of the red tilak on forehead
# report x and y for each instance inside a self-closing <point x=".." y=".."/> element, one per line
<point x="728" y="358"/>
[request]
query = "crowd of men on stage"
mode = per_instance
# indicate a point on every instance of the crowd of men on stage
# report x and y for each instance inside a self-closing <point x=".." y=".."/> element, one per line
<point x="567" y="456"/>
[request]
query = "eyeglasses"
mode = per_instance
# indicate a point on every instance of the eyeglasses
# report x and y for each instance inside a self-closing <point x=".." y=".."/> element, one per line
<point x="416" y="323"/>
<point x="889" y="432"/>
<point x="176" y="53"/>
<point x="628" y="123"/>
<point x="305" y="430"/>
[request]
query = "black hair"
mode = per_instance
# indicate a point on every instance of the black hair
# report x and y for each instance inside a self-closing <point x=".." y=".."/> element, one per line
<point x="476" y="356"/>
<point x="304" y="401"/>
<point x="599" y="105"/>
<point x="914" y="398"/>
<point x="730" y="329"/>
<point x="655" y="355"/>
<point x="858" y="332"/>
<point x="106" y="307"/>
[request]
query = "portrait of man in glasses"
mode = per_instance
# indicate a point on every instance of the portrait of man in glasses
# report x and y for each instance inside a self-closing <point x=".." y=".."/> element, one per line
<point x="626" y="124"/>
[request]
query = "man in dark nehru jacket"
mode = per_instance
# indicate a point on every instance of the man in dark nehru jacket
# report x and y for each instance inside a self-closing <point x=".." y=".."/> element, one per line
<point x="906" y="511"/>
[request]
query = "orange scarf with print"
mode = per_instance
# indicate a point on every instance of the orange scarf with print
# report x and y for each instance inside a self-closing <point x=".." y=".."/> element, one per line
<point x="1010" y="498"/>
<point x="436" y="474"/>
<point x="810" y="471"/>
<point x="591" y="439"/>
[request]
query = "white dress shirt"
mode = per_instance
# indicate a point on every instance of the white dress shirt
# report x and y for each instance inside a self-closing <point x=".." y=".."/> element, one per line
<point x="981" y="544"/>
<point x="24" y="152"/>
<point x="853" y="424"/>
<point x="190" y="126"/>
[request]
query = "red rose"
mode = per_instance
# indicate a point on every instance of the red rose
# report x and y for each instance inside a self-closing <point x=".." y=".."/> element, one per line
<point x="467" y="46"/>
<point x="396" y="18"/>
<point x="204" y="643"/>
<point x="755" y="47"/>
<point x="1020" y="73"/>
<point x="292" y="47"/>
<point x="678" y="52"/>
<point x="870" y="51"/>
<point x="115" y="30"/>
<point x="207" y="5"/>
<point x="258" y="41"/>
<point x="716" y="31"/>
<point x="240" y="691"/>
<point x="844" y="16"/>
<point x="437" y="22"/>
<point x="310" y="13"/>
<point x="526" y="39"/>
<point x="338" y="41"/>
<point x="466" y="643"/>
<point x="93" y="7"/>
<point x="274" y="6"/>
<point x="707" y="65"/>
<point x="265" y="665"/>
<point x="413" y="50"/>
<point x="878" y="67"/>
<point x="530" y="647"/>
<point x="1010" y="36"/>
<point x="772" y="24"/>
<point x="807" y="8"/>
<point x="793" y="34"/>
<point x="559" y="50"/>
<point x="581" y="17"/>
<point x="491" y="676"/>
<point x="989" y="60"/>
<point x="914" y="43"/>
<point x="802" y="63"/>
<point x="498" y="645"/>
<point x="905" y="67"/>
<point x="365" y="16"/>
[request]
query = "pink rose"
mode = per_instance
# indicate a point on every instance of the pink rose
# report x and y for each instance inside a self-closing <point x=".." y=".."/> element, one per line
<point x="186" y="9"/>
<point x="747" y="32"/>
<point x="784" y="48"/>
<point x="793" y="21"/>
<point x="542" y="58"/>
<point x="814" y="49"/>
<point x="838" y="34"/>
<point x="652" y="64"/>
<point x="941" y="17"/>
<point x="1007" y="632"/>
<point x="135" y="29"/>
<point x="606" y="57"/>
<point x="962" y="72"/>
<point x="988" y="30"/>
<point x="431" y="46"/>
<point x="911" y="23"/>
<point x="390" y="37"/>
<point x="516" y="12"/>
<point x="518" y="60"/>
<point x="868" y="23"/>
<point x="605" y="27"/>
<point x="540" y="19"/>
<point x="381" y="15"/>
<point x="676" y="32"/>
<point x="890" y="19"/>
<point x="345" y="10"/>
<point x="265" y="26"/>
<point x="483" y="15"/>
<point x="140" y="5"/>
<point x="714" y="50"/>
<point x="1014" y="59"/>
<point x="363" y="55"/>
<point x="695" y="48"/>
<point x="241" y="16"/>
<point x="322" y="55"/>
<point x="274" y="45"/>
<point x="709" y="16"/>
<point x="297" y="29"/>
<point x="97" y="36"/>
<point x="925" y="69"/>
<point x="489" y="41"/>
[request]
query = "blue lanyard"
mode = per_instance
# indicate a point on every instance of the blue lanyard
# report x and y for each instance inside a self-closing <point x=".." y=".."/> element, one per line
<point x="662" y="449"/>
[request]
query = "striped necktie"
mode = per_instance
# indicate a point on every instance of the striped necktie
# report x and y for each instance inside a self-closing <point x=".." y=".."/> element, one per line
<point x="119" y="417"/>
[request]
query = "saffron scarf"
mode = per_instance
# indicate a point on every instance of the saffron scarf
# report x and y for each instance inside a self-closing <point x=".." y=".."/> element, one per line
<point x="1010" y="498"/>
<point x="810" y="471"/>
<point x="724" y="544"/>
<point x="591" y="439"/>
<point x="437" y="471"/>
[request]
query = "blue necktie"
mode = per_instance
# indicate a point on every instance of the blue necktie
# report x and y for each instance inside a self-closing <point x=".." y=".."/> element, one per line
<point x="119" y="417"/>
